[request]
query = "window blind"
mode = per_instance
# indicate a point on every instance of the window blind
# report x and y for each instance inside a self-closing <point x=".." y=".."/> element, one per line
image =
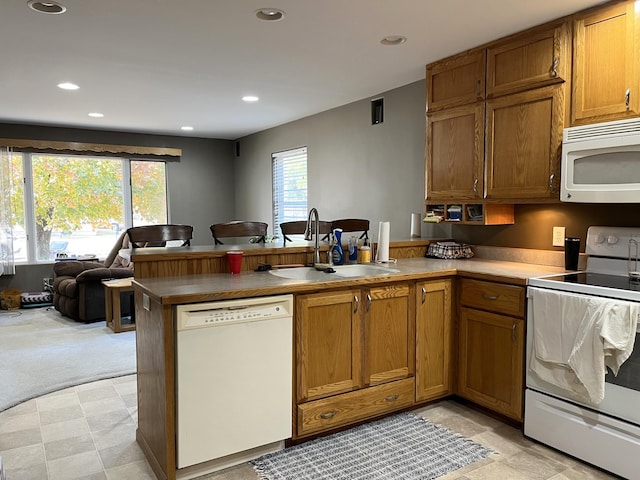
<point x="289" y="170"/>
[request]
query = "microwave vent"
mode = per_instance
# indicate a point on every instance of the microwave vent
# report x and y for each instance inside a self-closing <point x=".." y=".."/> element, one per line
<point x="602" y="130"/>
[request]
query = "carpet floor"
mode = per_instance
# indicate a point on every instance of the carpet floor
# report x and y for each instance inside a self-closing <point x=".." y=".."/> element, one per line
<point x="403" y="446"/>
<point x="41" y="351"/>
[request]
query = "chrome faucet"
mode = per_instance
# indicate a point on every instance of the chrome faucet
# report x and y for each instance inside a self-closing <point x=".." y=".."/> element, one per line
<point x="307" y="234"/>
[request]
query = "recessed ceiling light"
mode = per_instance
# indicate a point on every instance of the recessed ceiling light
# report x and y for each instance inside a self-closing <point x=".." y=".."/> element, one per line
<point x="51" y="8"/>
<point x="186" y="128"/>
<point x="68" y="86"/>
<point x="96" y="114"/>
<point x="250" y="98"/>
<point x="270" y="14"/>
<point x="392" y="40"/>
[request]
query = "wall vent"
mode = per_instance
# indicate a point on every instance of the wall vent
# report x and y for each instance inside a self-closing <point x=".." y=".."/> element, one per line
<point x="377" y="111"/>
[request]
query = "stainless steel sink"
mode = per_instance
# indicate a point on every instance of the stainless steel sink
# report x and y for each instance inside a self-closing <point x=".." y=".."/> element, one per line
<point x="345" y="271"/>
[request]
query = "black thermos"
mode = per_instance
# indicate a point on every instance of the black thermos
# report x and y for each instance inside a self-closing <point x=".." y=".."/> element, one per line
<point x="571" y="253"/>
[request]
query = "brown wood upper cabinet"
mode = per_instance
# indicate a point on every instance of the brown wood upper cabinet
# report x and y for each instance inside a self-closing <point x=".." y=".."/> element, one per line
<point x="456" y="80"/>
<point x="523" y="144"/>
<point x="530" y="59"/>
<point x="455" y="153"/>
<point x="606" y="85"/>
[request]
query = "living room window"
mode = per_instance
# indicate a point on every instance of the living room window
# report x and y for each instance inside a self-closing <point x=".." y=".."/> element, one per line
<point x="289" y="171"/>
<point x="78" y="205"/>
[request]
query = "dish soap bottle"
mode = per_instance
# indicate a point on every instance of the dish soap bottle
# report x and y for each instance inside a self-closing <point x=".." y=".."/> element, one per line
<point x="365" y="252"/>
<point x="337" y="253"/>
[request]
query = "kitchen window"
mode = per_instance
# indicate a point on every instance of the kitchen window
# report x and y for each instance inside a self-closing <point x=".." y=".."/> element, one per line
<point x="79" y="205"/>
<point x="289" y="170"/>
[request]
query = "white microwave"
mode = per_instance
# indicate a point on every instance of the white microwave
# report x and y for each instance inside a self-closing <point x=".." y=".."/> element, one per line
<point x="601" y="163"/>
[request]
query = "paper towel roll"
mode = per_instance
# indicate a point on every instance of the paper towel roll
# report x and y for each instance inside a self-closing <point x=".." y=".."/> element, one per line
<point x="416" y="222"/>
<point x="382" y="255"/>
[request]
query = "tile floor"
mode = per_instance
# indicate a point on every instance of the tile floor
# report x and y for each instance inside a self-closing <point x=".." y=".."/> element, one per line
<point x="88" y="432"/>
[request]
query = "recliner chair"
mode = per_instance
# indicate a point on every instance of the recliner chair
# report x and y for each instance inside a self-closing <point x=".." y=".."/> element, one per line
<point x="78" y="292"/>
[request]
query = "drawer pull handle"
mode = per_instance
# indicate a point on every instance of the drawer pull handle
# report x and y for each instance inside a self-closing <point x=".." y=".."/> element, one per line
<point x="551" y="177"/>
<point x="513" y="332"/>
<point x="392" y="398"/>
<point x="475" y="186"/>
<point x="424" y="295"/>
<point x="478" y="83"/>
<point x="489" y="297"/>
<point x="326" y="416"/>
<point x="357" y="303"/>
<point x="368" y="302"/>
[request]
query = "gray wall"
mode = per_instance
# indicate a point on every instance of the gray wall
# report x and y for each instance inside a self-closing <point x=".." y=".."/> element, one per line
<point x="355" y="169"/>
<point x="200" y="185"/>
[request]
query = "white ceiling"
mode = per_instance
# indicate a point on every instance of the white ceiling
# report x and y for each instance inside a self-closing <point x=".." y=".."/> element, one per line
<point x="155" y="65"/>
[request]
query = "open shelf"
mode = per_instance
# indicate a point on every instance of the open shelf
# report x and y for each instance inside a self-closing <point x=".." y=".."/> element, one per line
<point x="471" y="213"/>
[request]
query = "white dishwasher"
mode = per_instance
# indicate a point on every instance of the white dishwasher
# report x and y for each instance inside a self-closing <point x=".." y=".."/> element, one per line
<point x="233" y="379"/>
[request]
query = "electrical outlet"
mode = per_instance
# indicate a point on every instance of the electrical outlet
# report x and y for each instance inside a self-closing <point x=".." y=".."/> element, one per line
<point x="558" y="236"/>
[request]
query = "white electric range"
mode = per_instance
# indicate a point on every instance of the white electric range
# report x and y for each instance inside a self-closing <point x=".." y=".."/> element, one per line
<point x="606" y="434"/>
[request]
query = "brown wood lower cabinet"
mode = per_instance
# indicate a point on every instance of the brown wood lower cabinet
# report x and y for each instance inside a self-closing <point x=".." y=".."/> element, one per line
<point x="340" y="410"/>
<point x="491" y="346"/>
<point x="435" y="337"/>
<point x="354" y="355"/>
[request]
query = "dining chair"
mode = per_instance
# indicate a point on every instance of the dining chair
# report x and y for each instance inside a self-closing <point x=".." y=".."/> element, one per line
<point x="298" y="227"/>
<point x="352" y="225"/>
<point x="238" y="229"/>
<point x="159" y="235"/>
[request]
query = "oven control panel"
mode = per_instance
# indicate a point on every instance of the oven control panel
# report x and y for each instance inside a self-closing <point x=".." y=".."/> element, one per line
<point x="614" y="242"/>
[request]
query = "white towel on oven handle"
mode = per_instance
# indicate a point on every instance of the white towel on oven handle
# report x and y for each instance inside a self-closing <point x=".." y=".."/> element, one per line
<point x="576" y="336"/>
<point x="554" y="325"/>
<point x="605" y="338"/>
<point x="558" y="316"/>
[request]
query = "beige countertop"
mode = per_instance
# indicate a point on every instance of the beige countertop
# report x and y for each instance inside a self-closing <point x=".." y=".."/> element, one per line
<point x="210" y="287"/>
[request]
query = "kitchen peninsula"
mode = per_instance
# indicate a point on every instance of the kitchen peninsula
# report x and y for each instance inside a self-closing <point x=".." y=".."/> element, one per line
<point x="405" y="346"/>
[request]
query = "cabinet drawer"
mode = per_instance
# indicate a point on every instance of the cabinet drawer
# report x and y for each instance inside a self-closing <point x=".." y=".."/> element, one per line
<point x="314" y="417"/>
<point x="495" y="297"/>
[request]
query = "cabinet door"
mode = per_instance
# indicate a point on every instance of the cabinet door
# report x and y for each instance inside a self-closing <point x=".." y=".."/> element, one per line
<point x="524" y="142"/>
<point x="456" y="80"/>
<point x="389" y="334"/>
<point x="328" y="340"/>
<point x="605" y="64"/>
<point x="491" y="351"/>
<point x="434" y="349"/>
<point x="455" y="153"/>
<point x="532" y="59"/>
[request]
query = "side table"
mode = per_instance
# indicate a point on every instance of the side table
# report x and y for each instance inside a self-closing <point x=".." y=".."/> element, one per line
<point x="113" y="314"/>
